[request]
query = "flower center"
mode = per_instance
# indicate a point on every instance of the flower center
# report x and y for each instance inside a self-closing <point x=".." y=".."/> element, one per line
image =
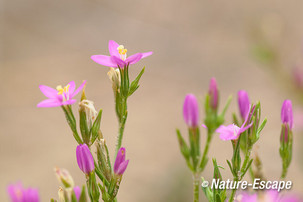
<point x="64" y="92"/>
<point x="122" y="52"/>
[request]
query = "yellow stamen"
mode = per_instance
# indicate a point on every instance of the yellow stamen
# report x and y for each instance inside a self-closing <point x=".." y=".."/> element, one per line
<point x="122" y="51"/>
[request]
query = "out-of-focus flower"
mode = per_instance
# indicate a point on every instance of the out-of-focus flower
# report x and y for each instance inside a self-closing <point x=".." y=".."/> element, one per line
<point x="18" y="193"/>
<point x="213" y="93"/>
<point x="286" y="113"/>
<point x="232" y="132"/>
<point x="191" y="111"/>
<point x="118" y="56"/>
<point x="246" y="197"/>
<point x="60" y="96"/>
<point x="64" y="177"/>
<point x="77" y="191"/>
<point x="244" y="103"/>
<point x="297" y="74"/>
<point x="120" y="162"/>
<point x="267" y="196"/>
<point x="85" y="159"/>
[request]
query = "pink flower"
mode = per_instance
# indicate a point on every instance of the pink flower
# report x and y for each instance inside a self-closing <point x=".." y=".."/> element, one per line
<point x="60" y="96"/>
<point x="118" y="56"/>
<point x="232" y="132"/>
<point x="120" y="163"/>
<point x="18" y="193"/>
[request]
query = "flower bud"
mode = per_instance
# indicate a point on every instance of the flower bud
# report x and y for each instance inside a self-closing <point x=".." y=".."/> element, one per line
<point x="88" y="107"/>
<point x="286" y="113"/>
<point x="77" y="191"/>
<point x="64" y="177"/>
<point x="244" y="103"/>
<point x="213" y="94"/>
<point x="120" y="163"/>
<point x="191" y="111"/>
<point x="85" y="159"/>
<point x="114" y="75"/>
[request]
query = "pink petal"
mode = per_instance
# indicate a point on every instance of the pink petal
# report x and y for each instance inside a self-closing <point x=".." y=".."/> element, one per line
<point x="104" y="60"/>
<point x="144" y="55"/>
<point x="118" y="61"/>
<point x="112" y="47"/>
<point x="69" y="102"/>
<point x="48" y="91"/>
<point x="78" y="89"/>
<point x="72" y="87"/>
<point x="49" y="103"/>
<point x="229" y="132"/>
<point x="134" y="58"/>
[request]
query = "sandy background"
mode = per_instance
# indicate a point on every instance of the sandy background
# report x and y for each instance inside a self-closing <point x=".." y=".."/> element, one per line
<point x="50" y="42"/>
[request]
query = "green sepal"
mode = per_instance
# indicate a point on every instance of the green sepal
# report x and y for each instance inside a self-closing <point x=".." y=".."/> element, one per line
<point x="73" y="197"/>
<point x="83" y="127"/>
<point x="96" y="127"/>
<point x="53" y="200"/>
<point x="93" y="189"/>
<point x="83" y="195"/>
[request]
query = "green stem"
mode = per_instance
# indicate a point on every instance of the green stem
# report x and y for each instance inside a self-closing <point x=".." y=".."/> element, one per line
<point x="196" y="186"/>
<point x="122" y="120"/>
<point x="284" y="171"/>
<point x="205" y="152"/>
<point x="233" y="192"/>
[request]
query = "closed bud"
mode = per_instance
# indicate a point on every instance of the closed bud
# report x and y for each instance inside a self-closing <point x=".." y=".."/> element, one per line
<point x="191" y="111"/>
<point x="85" y="159"/>
<point x="213" y="94"/>
<point x="244" y="103"/>
<point x="120" y="162"/>
<point x="287" y="114"/>
<point x="64" y="177"/>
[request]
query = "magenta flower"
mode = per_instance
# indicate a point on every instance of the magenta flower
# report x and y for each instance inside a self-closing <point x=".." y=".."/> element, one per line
<point x="213" y="93"/>
<point x="232" y="132"/>
<point x="18" y="193"/>
<point x="286" y="113"/>
<point x="191" y="111"/>
<point x="243" y="102"/>
<point x="60" y="96"/>
<point x="77" y="192"/>
<point x="120" y="163"/>
<point x="118" y="56"/>
<point x="85" y="159"/>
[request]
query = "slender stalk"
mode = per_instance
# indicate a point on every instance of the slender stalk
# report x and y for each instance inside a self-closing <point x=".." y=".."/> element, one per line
<point x="122" y="120"/>
<point x="196" y="186"/>
<point x="205" y="152"/>
<point x="233" y="192"/>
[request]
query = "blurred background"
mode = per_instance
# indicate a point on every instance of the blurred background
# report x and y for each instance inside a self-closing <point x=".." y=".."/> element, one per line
<point x="251" y="45"/>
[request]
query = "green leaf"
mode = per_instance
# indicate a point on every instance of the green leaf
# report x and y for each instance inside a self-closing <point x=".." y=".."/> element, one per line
<point x="135" y="83"/>
<point x="96" y="127"/>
